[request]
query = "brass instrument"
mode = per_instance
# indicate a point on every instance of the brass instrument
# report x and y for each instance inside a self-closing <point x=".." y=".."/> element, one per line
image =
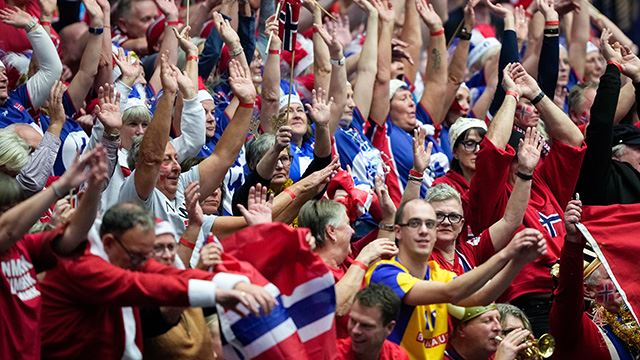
<point x="538" y="349"/>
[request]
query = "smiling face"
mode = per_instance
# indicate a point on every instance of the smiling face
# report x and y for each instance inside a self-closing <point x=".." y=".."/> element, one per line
<point x="366" y="329"/>
<point x="482" y="331"/>
<point x="297" y="120"/>
<point x="447" y="231"/>
<point x="169" y="172"/>
<point x="403" y="110"/>
<point x="416" y="242"/>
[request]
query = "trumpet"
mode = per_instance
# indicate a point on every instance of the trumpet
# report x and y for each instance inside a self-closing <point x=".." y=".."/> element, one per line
<point x="542" y="348"/>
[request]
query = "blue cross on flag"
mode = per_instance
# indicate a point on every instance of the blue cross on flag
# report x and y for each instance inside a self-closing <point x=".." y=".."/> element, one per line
<point x="288" y="19"/>
<point x="548" y="221"/>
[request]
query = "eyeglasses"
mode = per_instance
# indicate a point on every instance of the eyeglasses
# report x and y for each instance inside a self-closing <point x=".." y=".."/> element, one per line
<point x="160" y="248"/>
<point x="136" y="258"/>
<point x="285" y="160"/>
<point x="452" y="217"/>
<point x="416" y="223"/>
<point x="470" y="145"/>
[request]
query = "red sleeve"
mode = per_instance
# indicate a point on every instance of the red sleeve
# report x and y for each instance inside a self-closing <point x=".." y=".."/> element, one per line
<point x="484" y="250"/>
<point x="92" y="280"/>
<point x="565" y="319"/>
<point x="38" y="246"/>
<point x="488" y="191"/>
<point x="561" y="169"/>
<point x="156" y="267"/>
<point x="357" y="246"/>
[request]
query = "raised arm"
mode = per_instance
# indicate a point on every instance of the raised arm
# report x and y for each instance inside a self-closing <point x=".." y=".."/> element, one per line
<point x="528" y="157"/>
<point x="558" y="124"/>
<point x="83" y="81"/>
<point x="436" y="73"/>
<point x="213" y="169"/>
<point x="508" y="52"/>
<point x="17" y="220"/>
<point x="421" y="156"/>
<point x="155" y="139"/>
<point x="536" y="246"/>
<point x="367" y="64"/>
<point x="169" y="44"/>
<point x="271" y="157"/>
<point x="412" y="35"/>
<point x="502" y="124"/>
<point x="321" y="56"/>
<point x="579" y="38"/>
<point x="105" y="65"/>
<point x="50" y="68"/>
<point x="550" y="53"/>
<point x="270" y="93"/>
<point x="338" y="87"/>
<point x="380" y="108"/>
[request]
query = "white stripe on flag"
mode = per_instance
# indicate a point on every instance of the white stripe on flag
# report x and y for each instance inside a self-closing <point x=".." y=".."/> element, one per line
<point x="307" y="289"/>
<point x="270" y="339"/>
<point x="594" y="244"/>
<point x="316" y="328"/>
<point x="233" y="317"/>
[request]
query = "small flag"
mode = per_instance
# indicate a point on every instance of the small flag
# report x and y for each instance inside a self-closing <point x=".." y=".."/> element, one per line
<point x="288" y="18"/>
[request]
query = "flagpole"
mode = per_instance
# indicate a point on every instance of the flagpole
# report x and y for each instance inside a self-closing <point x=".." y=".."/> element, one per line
<point x="293" y="60"/>
<point x="271" y="34"/>
<point x="188" y="3"/>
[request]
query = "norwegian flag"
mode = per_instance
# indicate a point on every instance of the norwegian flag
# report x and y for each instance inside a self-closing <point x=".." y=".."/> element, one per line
<point x="612" y="231"/>
<point x="288" y="18"/>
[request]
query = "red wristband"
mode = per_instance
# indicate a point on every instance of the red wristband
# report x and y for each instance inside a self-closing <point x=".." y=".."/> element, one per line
<point x="528" y="14"/>
<point x="45" y="23"/>
<point x="192" y="57"/>
<point x="360" y="264"/>
<point x="290" y="193"/>
<point x="247" y="105"/>
<point x="552" y="23"/>
<point x="415" y="173"/>
<point x="274" y="52"/>
<point x="438" y="33"/>
<point x="513" y="93"/>
<point x="616" y="64"/>
<point x="187" y="243"/>
<point x="174" y="23"/>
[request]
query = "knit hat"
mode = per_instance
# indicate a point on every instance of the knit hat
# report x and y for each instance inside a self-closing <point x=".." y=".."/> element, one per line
<point x="461" y="125"/>
<point x="165" y="227"/>
<point x="466" y="314"/>
<point x="479" y="47"/>
<point x="395" y="85"/>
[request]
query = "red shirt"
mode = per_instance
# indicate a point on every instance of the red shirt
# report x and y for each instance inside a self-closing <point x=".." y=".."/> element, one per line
<point x="468" y="255"/>
<point x="21" y="301"/>
<point x="14" y="39"/>
<point x="389" y="351"/>
<point x="553" y="185"/>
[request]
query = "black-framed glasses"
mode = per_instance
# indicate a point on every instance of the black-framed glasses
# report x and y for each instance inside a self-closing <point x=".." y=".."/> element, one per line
<point x="136" y="258"/>
<point x="454" y="218"/>
<point x="416" y="223"/>
<point x="470" y="145"/>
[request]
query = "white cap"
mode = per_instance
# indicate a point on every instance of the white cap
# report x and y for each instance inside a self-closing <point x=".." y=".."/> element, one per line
<point x="1" y="64"/>
<point x="284" y="99"/>
<point x="395" y="85"/>
<point x="165" y="227"/>
<point x="480" y="46"/>
<point x="133" y="102"/>
<point x="203" y="95"/>
<point x="463" y="124"/>
<point x="591" y="47"/>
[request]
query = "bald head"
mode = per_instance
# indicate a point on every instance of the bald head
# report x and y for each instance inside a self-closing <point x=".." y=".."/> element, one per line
<point x="73" y="39"/>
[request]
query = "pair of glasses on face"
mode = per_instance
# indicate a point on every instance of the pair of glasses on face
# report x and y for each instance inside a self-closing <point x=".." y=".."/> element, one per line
<point x="470" y="145"/>
<point x="136" y="258"/>
<point x="415" y="223"/>
<point x="453" y="218"/>
<point x="285" y="160"/>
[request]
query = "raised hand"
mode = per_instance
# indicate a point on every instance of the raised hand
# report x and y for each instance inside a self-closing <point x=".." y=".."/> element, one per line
<point x="529" y="244"/>
<point x="209" y="256"/>
<point x="572" y="216"/>
<point x="192" y="200"/>
<point x="547" y="7"/>
<point x="283" y="138"/>
<point x="95" y="12"/>
<point x="398" y="51"/>
<point x="168" y="76"/>
<point x="55" y="107"/>
<point x="385" y="10"/>
<point x="184" y="40"/>
<point x="47" y="7"/>
<point x="526" y="85"/>
<point x="262" y="301"/>
<point x="340" y="30"/>
<point x="62" y="212"/>
<point x="470" y="15"/>
<point x="99" y="170"/>
<point x="567" y="6"/>
<point x="376" y="250"/>
<point x="609" y="52"/>
<point x="331" y="39"/>
<point x="521" y="23"/>
<point x="421" y="153"/>
<point x="129" y="66"/>
<point x="258" y="210"/>
<point x="367" y="6"/>
<point x="386" y="204"/>
<point x="228" y="35"/>
<point x="630" y="64"/>
<point x="16" y="17"/>
<point x="80" y="170"/>
<point x="320" y="110"/>
<point x="169" y="9"/>
<point x="508" y="84"/>
<point x="529" y="150"/>
<point x="108" y="108"/>
<point x="429" y="15"/>
<point x="241" y="84"/>
<point x="317" y="180"/>
<point x="498" y="9"/>
<point x="186" y="86"/>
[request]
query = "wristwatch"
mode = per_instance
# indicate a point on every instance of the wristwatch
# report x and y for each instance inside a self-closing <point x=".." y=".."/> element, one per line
<point x="340" y="62"/>
<point x="32" y="24"/>
<point x="464" y="34"/>
<point x="385" y="227"/>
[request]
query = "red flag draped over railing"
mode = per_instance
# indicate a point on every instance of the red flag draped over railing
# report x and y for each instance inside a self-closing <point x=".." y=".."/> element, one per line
<point x="288" y="18"/>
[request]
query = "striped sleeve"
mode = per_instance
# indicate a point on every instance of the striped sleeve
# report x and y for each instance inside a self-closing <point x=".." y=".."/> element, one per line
<point x="394" y="277"/>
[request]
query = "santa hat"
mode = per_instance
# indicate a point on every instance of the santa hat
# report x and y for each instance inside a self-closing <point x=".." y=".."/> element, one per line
<point x="203" y="93"/>
<point x="154" y="31"/>
<point x="17" y="67"/>
<point x="303" y="55"/>
<point x="479" y="47"/>
<point x="165" y="227"/>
